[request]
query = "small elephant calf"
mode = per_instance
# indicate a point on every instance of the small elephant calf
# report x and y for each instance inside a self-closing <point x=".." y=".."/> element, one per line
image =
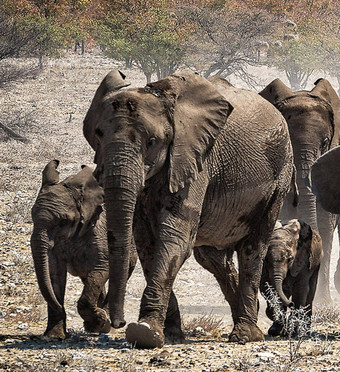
<point x="69" y="235"/>
<point x="291" y="267"/>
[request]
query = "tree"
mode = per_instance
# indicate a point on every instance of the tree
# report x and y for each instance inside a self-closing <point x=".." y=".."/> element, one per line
<point x="144" y="34"/>
<point x="226" y="37"/>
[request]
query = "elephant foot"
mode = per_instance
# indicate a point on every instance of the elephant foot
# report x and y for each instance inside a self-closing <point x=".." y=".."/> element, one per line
<point x="174" y="335"/>
<point x="246" y="332"/>
<point x="145" y="336"/>
<point x="100" y="324"/>
<point x="275" y="329"/>
<point x="56" y="332"/>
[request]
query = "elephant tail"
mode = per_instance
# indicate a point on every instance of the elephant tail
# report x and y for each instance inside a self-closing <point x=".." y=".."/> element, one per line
<point x="294" y="188"/>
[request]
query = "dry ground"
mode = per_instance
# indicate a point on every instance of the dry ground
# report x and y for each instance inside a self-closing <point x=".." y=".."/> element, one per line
<point x="49" y="110"/>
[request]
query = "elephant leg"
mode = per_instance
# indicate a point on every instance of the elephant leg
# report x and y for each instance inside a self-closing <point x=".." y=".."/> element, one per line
<point x="56" y="324"/>
<point x="326" y="225"/>
<point x="173" y="325"/>
<point x="95" y="319"/>
<point x="171" y="250"/>
<point x="251" y="253"/>
<point x="250" y="258"/>
<point x="301" y="292"/>
<point x="220" y="264"/>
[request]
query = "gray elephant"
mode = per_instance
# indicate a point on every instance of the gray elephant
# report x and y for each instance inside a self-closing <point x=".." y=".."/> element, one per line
<point x="190" y="162"/>
<point x="291" y="268"/>
<point x="69" y="235"/>
<point x="313" y="119"/>
<point x="324" y="180"/>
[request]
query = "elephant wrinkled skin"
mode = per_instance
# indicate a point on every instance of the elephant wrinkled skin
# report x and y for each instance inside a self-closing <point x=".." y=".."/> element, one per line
<point x="291" y="268"/>
<point x="188" y="162"/>
<point x="313" y="119"/>
<point x="69" y="235"/>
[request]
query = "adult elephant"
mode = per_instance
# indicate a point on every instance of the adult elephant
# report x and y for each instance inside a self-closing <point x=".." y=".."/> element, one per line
<point x="313" y="119"/>
<point x="202" y="164"/>
<point x="325" y="183"/>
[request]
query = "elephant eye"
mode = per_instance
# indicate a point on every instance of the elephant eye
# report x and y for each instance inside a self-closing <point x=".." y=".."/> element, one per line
<point x="98" y="132"/>
<point x="151" y="142"/>
<point x="62" y="223"/>
<point x="290" y="258"/>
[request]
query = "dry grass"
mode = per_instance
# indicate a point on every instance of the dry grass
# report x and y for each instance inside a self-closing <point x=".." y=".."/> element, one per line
<point x="207" y="322"/>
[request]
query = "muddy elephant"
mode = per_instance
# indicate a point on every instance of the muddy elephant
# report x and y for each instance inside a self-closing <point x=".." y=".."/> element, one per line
<point x="313" y="119"/>
<point x="69" y="235"/>
<point x="191" y="162"/>
<point x="291" y="268"/>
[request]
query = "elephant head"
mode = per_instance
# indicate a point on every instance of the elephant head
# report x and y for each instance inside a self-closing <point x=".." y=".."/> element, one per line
<point x="113" y="81"/>
<point x="169" y="125"/>
<point x="313" y="119"/>
<point x="325" y="180"/>
<point x="293" y="247"/>
<point x="61" y="211"/>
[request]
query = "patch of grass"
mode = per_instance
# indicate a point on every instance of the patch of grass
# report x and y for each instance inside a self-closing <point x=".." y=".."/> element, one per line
<point x="324" y="315"/>
<point x="208" y="322"/>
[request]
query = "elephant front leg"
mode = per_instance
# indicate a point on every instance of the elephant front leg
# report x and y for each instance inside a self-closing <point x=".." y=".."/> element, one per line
<point x="170" y="253"/>
<point x="56" y="324"/>
<point x="95" y="318"/>
<point x="250" y="267"/>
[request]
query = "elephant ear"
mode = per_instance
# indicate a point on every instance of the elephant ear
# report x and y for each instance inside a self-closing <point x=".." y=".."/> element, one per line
<point x="113" y="81"/>
<point x="89" y="196"/>
<point x="50" y="175"/>
<point x="324" y="178"/>
<point x="305" y="256"/>
<point x="276" y="92"/>
<point x="324" y="89"/>
<point x="198" y="113"/>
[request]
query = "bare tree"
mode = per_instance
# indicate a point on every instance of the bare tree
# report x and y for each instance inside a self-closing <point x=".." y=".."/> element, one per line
<point x="225" y="42"/>
<point x="17" y="39"/>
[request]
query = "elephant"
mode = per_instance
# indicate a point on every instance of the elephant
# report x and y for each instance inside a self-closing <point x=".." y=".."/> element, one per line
<point x="69" y="235"/>
<point x="187" y="162"/>
<point x="291" y="268"/>
<point x="324" y="181"/>
<point x="313" y="119"/>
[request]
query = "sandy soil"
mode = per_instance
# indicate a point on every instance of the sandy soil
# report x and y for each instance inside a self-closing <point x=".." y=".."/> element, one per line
<point x="49" y="110"/>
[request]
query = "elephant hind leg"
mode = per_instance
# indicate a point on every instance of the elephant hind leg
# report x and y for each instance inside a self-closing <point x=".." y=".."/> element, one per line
<point x="220" y="264"/>
<point x="173" y="326"/>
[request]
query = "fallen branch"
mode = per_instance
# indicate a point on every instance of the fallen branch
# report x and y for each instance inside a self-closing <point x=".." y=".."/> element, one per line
<point x="12" y="134"/>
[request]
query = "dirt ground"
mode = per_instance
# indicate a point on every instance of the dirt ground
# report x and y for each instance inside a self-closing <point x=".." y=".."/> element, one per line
<point x="49" y="111"/>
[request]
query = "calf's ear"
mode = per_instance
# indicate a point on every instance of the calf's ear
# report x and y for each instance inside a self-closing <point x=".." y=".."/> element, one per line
<point x="50" y="175"/>
<point x="276" y="91"/>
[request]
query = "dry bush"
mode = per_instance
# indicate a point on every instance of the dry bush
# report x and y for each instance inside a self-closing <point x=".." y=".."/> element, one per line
<point x="326" y="314"/>
<point x="209" y="323"/>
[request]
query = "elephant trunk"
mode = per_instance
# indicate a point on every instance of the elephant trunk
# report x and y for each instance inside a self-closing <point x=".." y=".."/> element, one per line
<point x="39" y="247"/>
<point x="123" y="178"/>
<point x="307" y="200"/>
<point x="278" y="280"/>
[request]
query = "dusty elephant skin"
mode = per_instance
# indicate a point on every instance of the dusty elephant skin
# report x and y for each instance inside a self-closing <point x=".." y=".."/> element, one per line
<point x="313" y="119"/>
<point x="190" y="162"/>
<point x="291" y="267"/>
<point x="69" y="235"/>
<point x="325" y="183"/>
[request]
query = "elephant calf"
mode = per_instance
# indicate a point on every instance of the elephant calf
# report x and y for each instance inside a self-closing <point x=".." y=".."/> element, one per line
<point x="291" y="267"/>
<point x="69" y="235"/>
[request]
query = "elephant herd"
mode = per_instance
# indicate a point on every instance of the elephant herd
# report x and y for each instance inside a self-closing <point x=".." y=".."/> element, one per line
<point x="188" y="164"/>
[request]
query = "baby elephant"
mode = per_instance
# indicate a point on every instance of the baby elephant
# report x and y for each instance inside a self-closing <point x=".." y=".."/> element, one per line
<point x="291" y="267"/>
<point x="69" y="235"/>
